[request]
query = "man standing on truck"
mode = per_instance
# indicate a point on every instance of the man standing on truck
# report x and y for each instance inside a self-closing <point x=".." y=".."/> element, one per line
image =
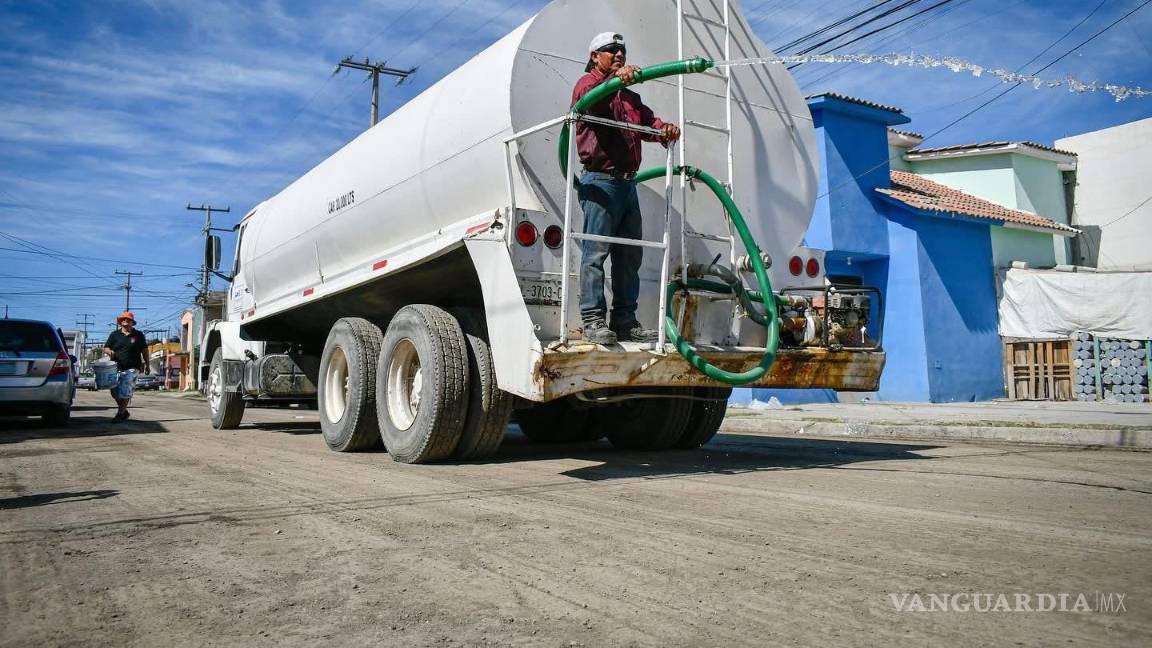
<point x="128" y="348"/>
<point x="607" y="192"/>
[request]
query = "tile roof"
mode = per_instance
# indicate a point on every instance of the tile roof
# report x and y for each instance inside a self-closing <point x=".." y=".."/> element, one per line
<point x="921" y="193"/>
<point x="988" y="145"/>
<point x="855" y="100"/>
<point x="906" y="133"/>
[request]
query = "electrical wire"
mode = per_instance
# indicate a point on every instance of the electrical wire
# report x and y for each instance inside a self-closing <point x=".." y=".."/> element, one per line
<point x="120" y="261"/>
<point x="837" y="70"/>
<point x="831" y="26"/>
<point x="858" y="26"/>
<point x="888" y="161"/>
<point x="1030" y="61"/>
<point x="430" y="28"/>
<point x="881" y="29"/>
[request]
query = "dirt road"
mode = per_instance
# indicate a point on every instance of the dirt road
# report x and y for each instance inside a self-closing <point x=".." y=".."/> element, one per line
<point x="162" y="531"/>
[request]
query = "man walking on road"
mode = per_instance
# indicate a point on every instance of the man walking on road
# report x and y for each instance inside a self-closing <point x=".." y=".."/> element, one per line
<point x="128" y="348"/>
<point x="607" y="192"/>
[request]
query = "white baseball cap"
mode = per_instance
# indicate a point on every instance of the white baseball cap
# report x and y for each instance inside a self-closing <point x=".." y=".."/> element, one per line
<point x="605" y="38"/>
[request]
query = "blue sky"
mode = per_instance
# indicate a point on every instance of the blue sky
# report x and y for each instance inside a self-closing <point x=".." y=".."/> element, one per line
<point x="116" y="114"/>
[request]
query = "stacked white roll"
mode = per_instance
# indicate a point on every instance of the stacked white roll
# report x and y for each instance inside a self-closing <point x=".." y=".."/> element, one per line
<point x="1123" y="370"/>
<point x="1084" y="361"/>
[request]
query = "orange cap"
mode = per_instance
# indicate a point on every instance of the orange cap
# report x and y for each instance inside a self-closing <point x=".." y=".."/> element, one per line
<point x="126" y="315"/>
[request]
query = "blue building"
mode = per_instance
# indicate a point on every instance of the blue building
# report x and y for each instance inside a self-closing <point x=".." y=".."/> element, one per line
<point x="925" y="245"/>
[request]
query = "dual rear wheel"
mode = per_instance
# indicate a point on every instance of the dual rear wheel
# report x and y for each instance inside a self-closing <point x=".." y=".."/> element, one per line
<point x="424" y="388"/>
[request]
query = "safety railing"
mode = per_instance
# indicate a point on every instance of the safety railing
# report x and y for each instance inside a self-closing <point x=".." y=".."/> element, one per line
<point x="570" y="235"/>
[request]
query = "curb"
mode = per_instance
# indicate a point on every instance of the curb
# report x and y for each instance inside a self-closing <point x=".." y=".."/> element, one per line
<point x="1119" y="437"/>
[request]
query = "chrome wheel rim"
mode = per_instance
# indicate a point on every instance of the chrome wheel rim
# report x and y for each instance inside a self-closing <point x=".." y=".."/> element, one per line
<point x="405" y="384"/>
<point x="215" y="390"/>
<point x="336" y="386"/>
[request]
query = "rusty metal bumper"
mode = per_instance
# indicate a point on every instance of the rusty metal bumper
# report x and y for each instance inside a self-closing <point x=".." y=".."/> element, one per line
<point x="578" y="367"/>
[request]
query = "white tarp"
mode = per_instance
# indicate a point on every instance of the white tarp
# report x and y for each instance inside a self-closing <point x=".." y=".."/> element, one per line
<point x="1050" y="304"/>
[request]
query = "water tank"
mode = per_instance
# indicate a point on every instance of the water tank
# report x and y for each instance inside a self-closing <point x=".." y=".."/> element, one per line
<point x="439" y="160"/>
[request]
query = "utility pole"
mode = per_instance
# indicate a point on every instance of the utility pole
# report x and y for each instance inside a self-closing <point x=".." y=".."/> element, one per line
<point x="83" y="350"/>
<point x="205" y="287"/>
<point x="375" y="70"/>
<point x="205" y="277"/>
<point x="128" y="287"/>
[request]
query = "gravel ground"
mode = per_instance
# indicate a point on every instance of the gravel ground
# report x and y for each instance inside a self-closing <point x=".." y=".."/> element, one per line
<point x="162" y="531"/>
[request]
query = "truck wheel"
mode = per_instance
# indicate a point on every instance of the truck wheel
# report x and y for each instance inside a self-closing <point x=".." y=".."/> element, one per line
<point x="559" y="422"/>
<point x="646" y="423"/>
<point x="489" y="408"/>
<point x="422" y="384"/>
<point x="706" y="417"/>
<point x="227" y="407"/>
<point x="347" y="389"/>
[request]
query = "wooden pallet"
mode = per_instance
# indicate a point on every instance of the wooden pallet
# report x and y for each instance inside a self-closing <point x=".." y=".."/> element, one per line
<point x="1038" y="369"/>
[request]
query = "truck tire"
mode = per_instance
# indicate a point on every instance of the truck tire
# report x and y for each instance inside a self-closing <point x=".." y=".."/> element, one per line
<point x="227" y="408"/>
<point x="347" y="388"/>
<point x="559" y="422"/>
<point x="422" y="384"/>
<point x="647" y="423"/>
<point x="489" y="408"/>
<point x="706" y="417"/>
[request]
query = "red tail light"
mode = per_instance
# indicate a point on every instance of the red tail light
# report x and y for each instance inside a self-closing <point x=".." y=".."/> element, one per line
<point x="813" y="267"/>
<point x="795" y="266"/>
<point x="526" y="234"/>
<point x="553" y="236"/>
<point x="62" y="365"/>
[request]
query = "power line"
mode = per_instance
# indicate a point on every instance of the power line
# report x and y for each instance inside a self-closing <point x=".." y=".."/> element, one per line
<point x="889" y="38"/>
<point x="881" y="15"/>
<point x="1054" y="62"/>
<point x="883" y="28"/>
<point x="88" y="258"/>
<point x="833" y="25"/>
<point x="989" y="102"/>
<point x="431" y="27"/>
<point x="1033" y="59"/>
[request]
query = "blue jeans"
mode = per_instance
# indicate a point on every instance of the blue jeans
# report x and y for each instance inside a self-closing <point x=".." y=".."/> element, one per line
<point x="611" y="208"/>
<point x="125" y="384"/>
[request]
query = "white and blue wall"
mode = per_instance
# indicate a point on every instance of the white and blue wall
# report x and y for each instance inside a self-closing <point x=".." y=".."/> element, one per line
<point x="934" y="270"/>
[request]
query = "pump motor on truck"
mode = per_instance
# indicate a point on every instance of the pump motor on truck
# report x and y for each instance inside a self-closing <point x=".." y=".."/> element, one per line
<point x="420" y="285"/>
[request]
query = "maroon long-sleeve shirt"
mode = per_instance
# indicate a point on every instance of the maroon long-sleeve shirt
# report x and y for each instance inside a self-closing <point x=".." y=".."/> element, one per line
<point x="606" y="148"/>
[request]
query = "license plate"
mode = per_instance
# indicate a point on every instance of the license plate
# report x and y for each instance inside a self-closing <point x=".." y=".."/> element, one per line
<point x="541" y="293"/>
<point x="8" y="367"/>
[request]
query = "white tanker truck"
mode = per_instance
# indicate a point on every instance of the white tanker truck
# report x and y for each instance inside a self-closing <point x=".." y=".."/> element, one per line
<point x="417" y="285"/>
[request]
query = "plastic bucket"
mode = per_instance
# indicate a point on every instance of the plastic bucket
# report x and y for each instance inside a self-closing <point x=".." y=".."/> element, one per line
<point x="105" y="374"/>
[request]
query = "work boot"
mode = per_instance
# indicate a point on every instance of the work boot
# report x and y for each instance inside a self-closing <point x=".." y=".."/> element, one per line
<point x="636" y="333"/>
<point x="598" y="332"/>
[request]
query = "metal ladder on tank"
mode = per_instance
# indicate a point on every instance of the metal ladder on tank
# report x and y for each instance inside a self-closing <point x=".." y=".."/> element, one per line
<point x="685" y="123"/>
<point x="664" y="244"/>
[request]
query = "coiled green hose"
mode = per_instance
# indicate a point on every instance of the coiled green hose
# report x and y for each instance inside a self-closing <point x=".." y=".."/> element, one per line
<point x="682" y="346"/>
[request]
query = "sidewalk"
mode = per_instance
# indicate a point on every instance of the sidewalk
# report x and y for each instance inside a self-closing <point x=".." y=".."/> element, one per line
<point x="1119" y="425"/>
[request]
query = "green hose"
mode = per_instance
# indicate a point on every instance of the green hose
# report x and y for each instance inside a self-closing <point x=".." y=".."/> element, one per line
<point x="773" y="342"/>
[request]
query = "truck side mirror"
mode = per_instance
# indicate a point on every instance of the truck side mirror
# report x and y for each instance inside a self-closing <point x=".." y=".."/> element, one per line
<point x="212" y="253"/>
